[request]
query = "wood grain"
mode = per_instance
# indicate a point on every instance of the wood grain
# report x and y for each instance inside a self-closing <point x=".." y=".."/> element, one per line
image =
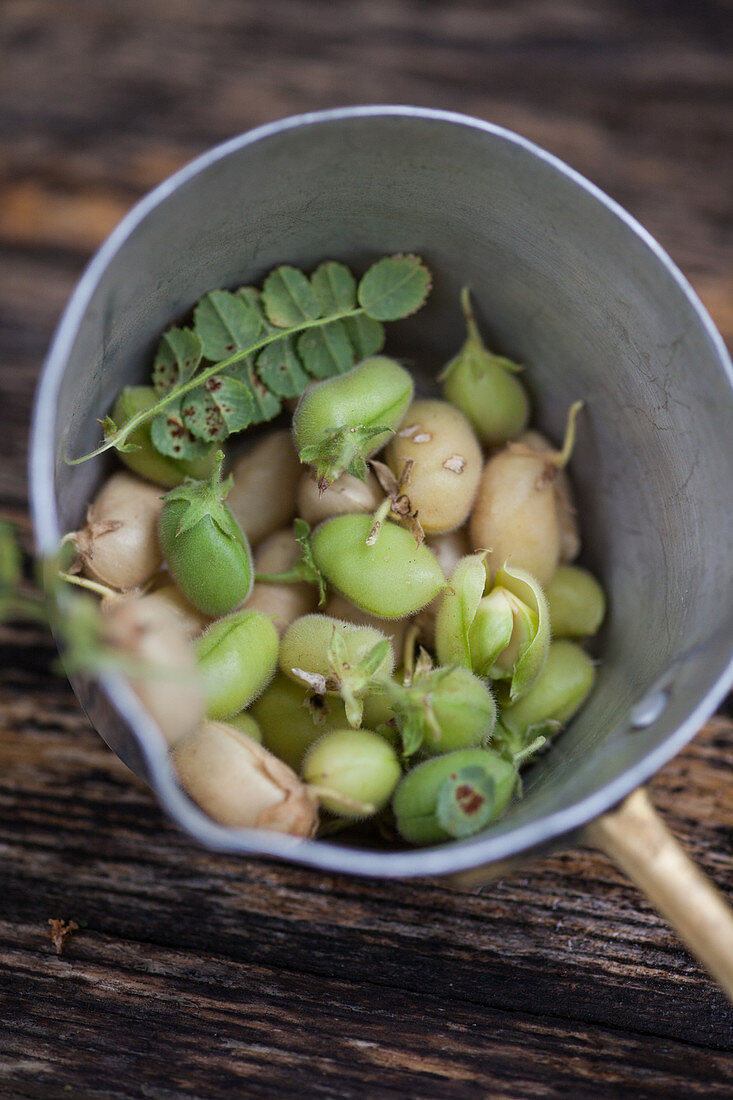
<point x="195" y="974"/>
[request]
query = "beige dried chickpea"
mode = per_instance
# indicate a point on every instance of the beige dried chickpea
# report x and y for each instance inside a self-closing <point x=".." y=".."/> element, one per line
<point x="447" y="462"/>
<point x="144" y="628"/>
<point x="190" y="620"/>
<point x="567" y="515"/>
<point x="283" y="602"/>
<point x="345" y="495"/>
<point x="118" y="546"/>
<point x="240" y="784"/>
<point x="516" y="517"/>
<point x="262" y="498"/>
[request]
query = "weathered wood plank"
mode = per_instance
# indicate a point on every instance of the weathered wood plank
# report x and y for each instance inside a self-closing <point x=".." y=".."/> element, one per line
<point x="204" y="975"/>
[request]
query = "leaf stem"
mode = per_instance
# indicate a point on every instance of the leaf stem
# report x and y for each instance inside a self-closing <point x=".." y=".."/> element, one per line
<point x="145" y="415"/>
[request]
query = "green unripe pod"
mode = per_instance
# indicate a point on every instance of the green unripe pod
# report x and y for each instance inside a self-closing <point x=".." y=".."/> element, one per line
<point x="484" y="386"/>
<point x="453" y="795"/>
<point x="308" y="644"/>
<point x="245" y="723"/>
<point x="557" y="693"/>
<point x="391" y="578"/>
<point x="458" y="710"/>
<point x="340" y="422"/>
<point x="237" y="657"/>
<point x="510" y="633"/>
<point x="207" y="553"/>
<point x="576" y="602"/>
<point x="147" y="461"/>
<point x="354" y="772"/>
<point x="292" y="718"/>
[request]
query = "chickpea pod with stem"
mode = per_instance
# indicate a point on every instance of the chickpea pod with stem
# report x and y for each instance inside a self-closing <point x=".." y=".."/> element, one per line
<point x="484" y="386"/>
<point x="353" y="772"/>
<point x="337" y="657"/>
<point x="516" y="513"/>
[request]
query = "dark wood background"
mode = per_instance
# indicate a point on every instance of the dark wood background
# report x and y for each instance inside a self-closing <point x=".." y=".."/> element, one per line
<point x="200" y="975"/>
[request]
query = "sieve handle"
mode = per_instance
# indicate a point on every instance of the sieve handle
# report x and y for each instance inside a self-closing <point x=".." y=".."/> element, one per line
<point x="634" y="836"/>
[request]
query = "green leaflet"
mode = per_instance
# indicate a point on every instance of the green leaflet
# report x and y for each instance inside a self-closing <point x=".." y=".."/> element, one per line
<point x="221" y="406"/>
<point x="171" y="436"/>
<point x="326" y="351"/>
<point x="265" y="403"/>
<point x="178" y="355"/>
<point x="288" y="298"/>
<point x="10" y="558"/>
<point x="279" y="368"/>
<point x="366" y="335"/>
<point x="334" y="287"/>
<point x="394" y="287"/>
<point x="225" y="322"/>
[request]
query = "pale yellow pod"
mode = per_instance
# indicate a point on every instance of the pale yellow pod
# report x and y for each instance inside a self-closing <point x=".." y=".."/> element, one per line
<point x="191" y="621"/>
<point x="515" y="515"/>
<point x="447" y="461"/>
<point x="119" y="546"/>
<point x="240" y="784"/>
<point x="448" y="549"/>
<point x="343" y="496"/>
<point x="266" y="475"/>
<point x="283" y="602"/>
<point x="146" y="629"/>
<point x="567" y="515"/>
<point x="338" y="607"/>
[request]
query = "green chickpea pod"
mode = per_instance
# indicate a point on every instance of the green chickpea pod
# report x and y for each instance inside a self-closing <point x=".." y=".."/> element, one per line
<point x="353" y="772"/>
<point x="388" y="576"/>
<point x="510" y="633"/>
<point x="333" y="656"/>
<point x="483" y="386"/>
<point x="292" y="718"/>
<point x="442" y="710"/>
<point x="207" y="552"/>
<point x="453" y="795"/>
<point x="576" y="601"/>
<point x="556" y="695"/>
<point x="237" y="657"/>
<point x="340" y="422"/>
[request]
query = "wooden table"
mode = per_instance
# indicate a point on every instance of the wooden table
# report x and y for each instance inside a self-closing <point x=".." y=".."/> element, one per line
<point x="200" y="975"/>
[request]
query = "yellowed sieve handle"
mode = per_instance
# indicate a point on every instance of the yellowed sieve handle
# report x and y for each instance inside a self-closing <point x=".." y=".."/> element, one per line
<point x="634" y="836"/>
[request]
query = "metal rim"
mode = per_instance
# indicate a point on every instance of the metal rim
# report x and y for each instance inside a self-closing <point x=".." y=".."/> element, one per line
<point x="322" y="854"/>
